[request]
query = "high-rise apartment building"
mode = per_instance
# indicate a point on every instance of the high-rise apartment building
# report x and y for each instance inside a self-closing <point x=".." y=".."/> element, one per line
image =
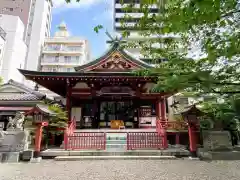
<point x="3" y="35"/>
<point x="63" y="52"/>
<point x="36" y="16"/>
<point x="15" y="48"/>
<point x="135" y="14"/>
<point x="121" y="24"/>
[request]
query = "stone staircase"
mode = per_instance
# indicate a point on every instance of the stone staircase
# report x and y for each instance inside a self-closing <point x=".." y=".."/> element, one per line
<point x="116" y="142"/>
<point x="116" y="148"/>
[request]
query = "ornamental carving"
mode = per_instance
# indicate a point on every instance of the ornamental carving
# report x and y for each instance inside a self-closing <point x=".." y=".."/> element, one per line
<point x="115" y="62"/>
<point x="116" y="90"/>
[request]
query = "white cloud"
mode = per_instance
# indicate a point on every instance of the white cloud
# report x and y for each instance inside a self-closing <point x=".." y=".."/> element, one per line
<point x="60" y="5"/>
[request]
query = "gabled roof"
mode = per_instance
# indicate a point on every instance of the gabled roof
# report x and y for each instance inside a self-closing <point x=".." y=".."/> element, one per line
<point x="41" y="108"/>
<point x="22" y="93"/>
<point x="122" y="55"/>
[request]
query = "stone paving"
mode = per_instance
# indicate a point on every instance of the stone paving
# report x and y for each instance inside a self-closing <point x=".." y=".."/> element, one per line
<point x="122" y="170"/>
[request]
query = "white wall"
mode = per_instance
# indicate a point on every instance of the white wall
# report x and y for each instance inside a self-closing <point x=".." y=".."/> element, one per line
<point x="2" y="47"/>
<point x="38" y="33"/>
<point x="15" y="48"/>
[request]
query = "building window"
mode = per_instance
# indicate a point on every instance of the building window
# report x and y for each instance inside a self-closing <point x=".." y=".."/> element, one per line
<point x="67" y="59"/>
<point x="56" y="59"/>
<point x="54" y="69"/>
<point x="74" y="48"/>
<point x="8" y="9"/>
<point x="69" y="69"/>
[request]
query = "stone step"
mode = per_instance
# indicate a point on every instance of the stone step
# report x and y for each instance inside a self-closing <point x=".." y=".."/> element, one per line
<point x="79" y="158"/>
<point x="228" y="155"/>
<point x="116" y="152"/>
<point x="116" y="145"/>
<point x="236" y="148"/>
<point x="116" y="142"/>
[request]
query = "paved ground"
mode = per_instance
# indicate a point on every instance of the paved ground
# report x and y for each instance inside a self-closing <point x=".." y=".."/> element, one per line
<point x="122" y="170"/>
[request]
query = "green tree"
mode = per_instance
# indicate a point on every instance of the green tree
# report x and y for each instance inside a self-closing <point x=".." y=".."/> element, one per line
<point x="180" y="26"/>
<point x="59" y="120"/>
<point x="57" y="123"/>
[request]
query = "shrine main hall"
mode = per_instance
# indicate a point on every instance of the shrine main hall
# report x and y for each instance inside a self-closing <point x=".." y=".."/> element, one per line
<point x="107" y="93"/>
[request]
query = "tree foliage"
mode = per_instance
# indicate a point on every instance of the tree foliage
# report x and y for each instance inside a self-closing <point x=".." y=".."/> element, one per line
<point x="199" y="41"/>
<point x="183" y="27"/>
<point x="227" y="112"/>
<point x="60" y="119"/>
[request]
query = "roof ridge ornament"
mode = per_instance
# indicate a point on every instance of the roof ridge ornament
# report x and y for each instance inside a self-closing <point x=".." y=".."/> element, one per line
<point x="114" y="41"/>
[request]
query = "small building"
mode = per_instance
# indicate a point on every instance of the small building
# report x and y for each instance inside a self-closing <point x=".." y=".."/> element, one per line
<point x="15" y="97"/>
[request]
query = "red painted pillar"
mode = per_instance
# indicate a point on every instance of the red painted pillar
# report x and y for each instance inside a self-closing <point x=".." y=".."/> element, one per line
<point x="192" y="139"/>
<point x="38" y="138"/>
<point x="163" y="118"/>
<point x="159" y="114"/>
<point x="66" y="139"/>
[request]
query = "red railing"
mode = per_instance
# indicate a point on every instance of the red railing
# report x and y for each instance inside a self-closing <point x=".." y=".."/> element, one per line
<point x="143" y="140"/>
<point x="86" y="140"/>
<point x="69" y="131"/>
<point x="161" y="127"/>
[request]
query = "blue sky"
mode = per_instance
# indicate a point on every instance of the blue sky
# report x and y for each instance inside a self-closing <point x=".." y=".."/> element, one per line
<point x="81" y="18"/>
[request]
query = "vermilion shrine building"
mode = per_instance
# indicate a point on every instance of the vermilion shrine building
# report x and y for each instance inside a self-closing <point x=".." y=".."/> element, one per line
<point x="106" y="94"/>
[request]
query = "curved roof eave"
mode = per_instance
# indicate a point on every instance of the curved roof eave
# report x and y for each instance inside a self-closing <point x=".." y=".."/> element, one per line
<point x="114" y="47"/>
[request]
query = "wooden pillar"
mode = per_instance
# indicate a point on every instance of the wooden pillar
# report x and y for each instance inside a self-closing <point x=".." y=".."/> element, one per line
<point x="94" y="114"/>
<point x="192" y="139"/>
<point x="163" y="110"/>
<point x="177" y="138"/>
<point x="68" y="102"/>
<point x="158" y="110"/>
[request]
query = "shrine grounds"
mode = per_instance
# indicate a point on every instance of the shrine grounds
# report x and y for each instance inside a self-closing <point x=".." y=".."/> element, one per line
<point x="122" y="170"/>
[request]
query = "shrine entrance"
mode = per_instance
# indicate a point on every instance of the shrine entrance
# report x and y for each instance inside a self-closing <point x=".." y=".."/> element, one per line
<point x="116" y="110"/>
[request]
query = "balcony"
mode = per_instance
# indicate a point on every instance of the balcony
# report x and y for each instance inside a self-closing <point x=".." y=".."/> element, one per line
<point x="62" y="49"/>
<point x="57" y="69"/>
<point x="62" y="61"/>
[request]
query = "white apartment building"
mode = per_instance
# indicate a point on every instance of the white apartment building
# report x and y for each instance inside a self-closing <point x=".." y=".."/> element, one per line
<point x="63" y="52"/>
<point x="36" y="16"/>
<point x="15" y="48"/>
<point x="3" y="35"/>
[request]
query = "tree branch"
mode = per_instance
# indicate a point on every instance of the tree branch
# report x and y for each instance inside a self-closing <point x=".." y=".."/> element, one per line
<point x="231" y="13"/>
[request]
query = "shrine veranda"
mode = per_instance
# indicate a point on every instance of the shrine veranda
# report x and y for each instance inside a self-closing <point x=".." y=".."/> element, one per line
<point x="106" y="96"/>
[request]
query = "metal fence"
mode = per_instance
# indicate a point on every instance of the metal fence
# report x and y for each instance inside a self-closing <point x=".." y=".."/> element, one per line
<point x="86" y="140"/>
